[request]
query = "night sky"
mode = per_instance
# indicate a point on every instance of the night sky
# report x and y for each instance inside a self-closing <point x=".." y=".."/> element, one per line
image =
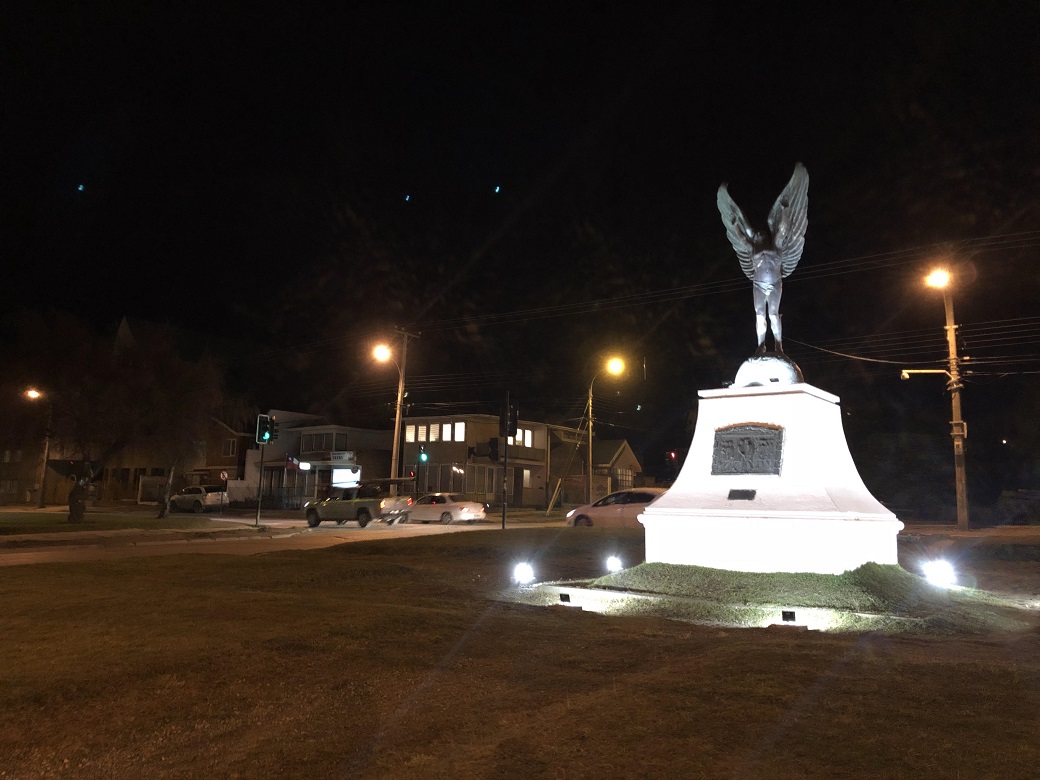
<point x="532" y="186"/>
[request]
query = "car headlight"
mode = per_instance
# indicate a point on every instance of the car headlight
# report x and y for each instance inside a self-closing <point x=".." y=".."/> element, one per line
<point x="571" y="512"/>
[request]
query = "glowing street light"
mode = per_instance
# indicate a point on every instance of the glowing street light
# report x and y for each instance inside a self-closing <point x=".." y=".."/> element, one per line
<point x="938" y="278"/>
<point x="383" y="353"/>
<point x="616" y="367"/>
<point x="36" y="395"/>
<point x="941" y="279"/>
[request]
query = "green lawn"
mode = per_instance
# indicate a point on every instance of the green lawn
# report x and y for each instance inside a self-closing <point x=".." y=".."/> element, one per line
<point x="398" y="659"/>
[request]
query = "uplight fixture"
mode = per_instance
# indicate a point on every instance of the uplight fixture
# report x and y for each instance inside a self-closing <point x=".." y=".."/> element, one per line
<point x="523" y="574"/>
<point x="940" y="573"/>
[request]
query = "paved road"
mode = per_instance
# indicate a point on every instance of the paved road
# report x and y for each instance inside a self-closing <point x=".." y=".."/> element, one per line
<point x="282" y="535"/>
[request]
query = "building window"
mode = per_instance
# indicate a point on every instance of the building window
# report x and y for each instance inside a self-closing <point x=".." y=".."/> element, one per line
<point x="522" y="438"/>
<point x="528" y="435"/>
<point x="435" y="432"/>
<point x="421" y="431"/>
<point x="446" y="431"/>
<point x="527" y="476"/>
<point x="409" y="433"/>
<point x="230" y="448"/>
<point x="460" y="431"/>
<point x="315" y="442"/>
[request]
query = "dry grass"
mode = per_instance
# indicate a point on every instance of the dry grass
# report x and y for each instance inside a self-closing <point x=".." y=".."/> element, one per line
<point x="395" y="659"/>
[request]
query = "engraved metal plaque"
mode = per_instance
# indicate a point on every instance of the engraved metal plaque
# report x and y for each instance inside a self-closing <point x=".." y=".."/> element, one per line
<point x="748" y="449"/>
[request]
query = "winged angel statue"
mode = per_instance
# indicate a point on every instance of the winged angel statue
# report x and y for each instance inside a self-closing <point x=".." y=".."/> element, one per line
<point x="768" y="259"/>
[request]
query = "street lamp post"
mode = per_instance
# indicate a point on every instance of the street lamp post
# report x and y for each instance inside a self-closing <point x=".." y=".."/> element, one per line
<point x="940" y="279"/>
<point x="614" y="366"/>
<point x="383" y="353"/>
<point x="34" y="395"/>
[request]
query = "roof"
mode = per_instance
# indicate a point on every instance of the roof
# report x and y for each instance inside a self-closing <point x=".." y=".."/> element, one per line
<point x="615" y="453"/>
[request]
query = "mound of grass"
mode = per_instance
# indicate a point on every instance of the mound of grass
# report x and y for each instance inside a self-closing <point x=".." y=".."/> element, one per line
<point x="892" y="597"/>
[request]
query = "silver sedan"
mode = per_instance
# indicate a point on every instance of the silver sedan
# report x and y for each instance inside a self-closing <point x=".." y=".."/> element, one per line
<point x="618" y="510"/>
<point x="445" y="508"/>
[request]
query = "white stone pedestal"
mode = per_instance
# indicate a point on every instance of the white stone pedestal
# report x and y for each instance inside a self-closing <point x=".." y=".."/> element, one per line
<point x="769" y="485"/>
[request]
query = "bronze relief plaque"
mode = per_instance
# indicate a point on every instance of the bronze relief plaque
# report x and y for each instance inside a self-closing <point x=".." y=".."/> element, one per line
<point x="748" y="449"/>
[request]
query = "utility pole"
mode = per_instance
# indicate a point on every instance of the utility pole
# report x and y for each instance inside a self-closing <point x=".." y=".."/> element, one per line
<point x="940" y="279"/>
<point x="588" y="481"/>
<point x="958" y="428"/>
<point x="384" y="353"/>
<point x="260" y="485"/>
<point x="46" y="451"/>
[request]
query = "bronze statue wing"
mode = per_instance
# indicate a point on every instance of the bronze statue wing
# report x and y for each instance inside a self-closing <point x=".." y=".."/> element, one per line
<point x="789" y="218"/>
<point x="738" y="231"/>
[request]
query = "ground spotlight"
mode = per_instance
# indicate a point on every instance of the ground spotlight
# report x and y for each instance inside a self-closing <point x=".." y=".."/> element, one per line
<point x="614" y="564"/>
<point x="940" y="573"/>
<point x="523" y="574"/>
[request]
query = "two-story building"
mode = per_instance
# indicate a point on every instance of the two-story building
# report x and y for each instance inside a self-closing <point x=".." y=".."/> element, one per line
<point x="311" y="456"/>
<point x="543" y="464"/>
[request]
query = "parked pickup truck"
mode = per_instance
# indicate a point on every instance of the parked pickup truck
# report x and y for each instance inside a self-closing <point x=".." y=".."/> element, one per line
<point x="363" y="504"/>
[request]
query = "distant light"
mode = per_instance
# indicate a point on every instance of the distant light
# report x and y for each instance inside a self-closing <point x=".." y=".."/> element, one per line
<point x="382" y="353"/>
<point x="614" y="564"/>
<point x="940" y="573"/>
<point x="305" y="465"/>
<point x="407" y="198"/>
<point x="80" y="188"/>
<point x="1003" y="441"/>
<point x="940" y="277"/>
<point x="497" y="189"/>
<point x="33" y="393"/>
<point x="615" y="366"/>
<point x="639" y="407"/>
<point x="523" y="574"/>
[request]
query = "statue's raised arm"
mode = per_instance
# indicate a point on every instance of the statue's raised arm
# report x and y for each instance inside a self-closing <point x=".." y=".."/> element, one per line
<point x="768" y="259"/>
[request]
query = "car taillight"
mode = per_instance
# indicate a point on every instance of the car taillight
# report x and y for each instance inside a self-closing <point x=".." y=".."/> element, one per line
<point x="409" y="502"/>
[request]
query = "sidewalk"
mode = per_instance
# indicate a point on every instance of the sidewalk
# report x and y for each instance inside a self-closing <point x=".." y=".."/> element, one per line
<point x="132" y="536"/>
<point x="239" y="524"/>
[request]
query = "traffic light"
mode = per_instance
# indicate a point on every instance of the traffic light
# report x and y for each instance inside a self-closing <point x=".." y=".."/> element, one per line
<point x="424" y="456"/>
<point x="493" y="450"/>
<point x="507" y="421"/>
<point x="263" y="429"/>
<point x="273" y="428"/>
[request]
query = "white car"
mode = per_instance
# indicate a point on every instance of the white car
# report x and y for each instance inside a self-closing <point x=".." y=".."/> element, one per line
<point x="197" y="498"/>
<point x="617" y="510"/>
<point x="445" y="508"/>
